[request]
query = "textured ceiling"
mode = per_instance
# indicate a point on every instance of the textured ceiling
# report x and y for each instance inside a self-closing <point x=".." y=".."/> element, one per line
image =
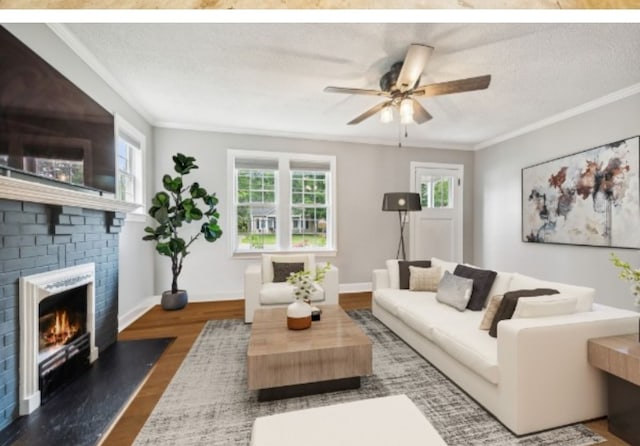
<point x="268" y="78"/>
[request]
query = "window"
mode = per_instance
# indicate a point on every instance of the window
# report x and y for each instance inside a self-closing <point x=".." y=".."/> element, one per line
<point x="308" y="209"/>
<point x="436" y="191"/>
<point x="130" y="144"/>
<point x="281" y="202"/>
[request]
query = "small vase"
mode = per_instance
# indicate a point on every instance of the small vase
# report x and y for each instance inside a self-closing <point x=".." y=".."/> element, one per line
<point x="298" y="315"/>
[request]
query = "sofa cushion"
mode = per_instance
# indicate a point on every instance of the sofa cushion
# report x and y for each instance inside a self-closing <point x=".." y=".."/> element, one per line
<point x="282" y="270"/>
<point x="509" y="302"/>
<point x="543" y="306"/>
<point x="277" y="293"/>
<point x="454" y="291"/>
<point x="390" y="299"/>
<point x="500" y="285"/>
<point x="490" y="312"/>
<point x="470" y="346"/>
<point x="394" y="273"/>
<point x="424" y="314"/>
<point x="424" y="279"/>
<point x="585" y="295"/>
<point x="404" y="273"/>
<point x="482" y="281"/>
<point x="443" y="264"/>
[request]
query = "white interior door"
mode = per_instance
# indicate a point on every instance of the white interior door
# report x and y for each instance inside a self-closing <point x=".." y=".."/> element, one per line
<point x="436" y="231"/>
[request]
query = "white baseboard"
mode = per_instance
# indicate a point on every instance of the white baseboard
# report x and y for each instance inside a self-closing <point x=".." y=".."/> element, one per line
<point x="132" y="315"/>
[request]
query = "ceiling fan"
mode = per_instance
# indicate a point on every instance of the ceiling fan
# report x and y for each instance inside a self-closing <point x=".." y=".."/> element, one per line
<point x="400" y="86"/>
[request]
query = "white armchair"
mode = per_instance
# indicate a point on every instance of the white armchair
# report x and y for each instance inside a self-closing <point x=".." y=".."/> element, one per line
<point x="260" y="291"/>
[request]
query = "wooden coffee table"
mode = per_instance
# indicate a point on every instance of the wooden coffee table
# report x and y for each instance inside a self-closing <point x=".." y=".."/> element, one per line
<point x="331" y="355"/>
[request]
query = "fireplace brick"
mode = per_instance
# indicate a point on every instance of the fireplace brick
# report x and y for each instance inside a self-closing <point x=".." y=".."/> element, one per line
<point x="37" y="238"/>
<point x="15" y="241"/>
<point x="10" y="205"/>
<point x="9" y="253"/>
<point x="19" y="217"/>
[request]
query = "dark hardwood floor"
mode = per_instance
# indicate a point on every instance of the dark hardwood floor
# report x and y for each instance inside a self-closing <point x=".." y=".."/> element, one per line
<point x="185" y="325"/>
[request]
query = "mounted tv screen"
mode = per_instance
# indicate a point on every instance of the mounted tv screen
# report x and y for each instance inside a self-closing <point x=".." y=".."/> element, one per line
<point x="49" y="128"/>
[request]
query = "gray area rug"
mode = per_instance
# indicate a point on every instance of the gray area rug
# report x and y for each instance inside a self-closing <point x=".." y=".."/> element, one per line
<point x="207" y="402"/>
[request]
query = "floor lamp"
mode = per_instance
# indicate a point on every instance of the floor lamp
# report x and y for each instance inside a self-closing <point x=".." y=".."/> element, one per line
<point x="402" y="202"/>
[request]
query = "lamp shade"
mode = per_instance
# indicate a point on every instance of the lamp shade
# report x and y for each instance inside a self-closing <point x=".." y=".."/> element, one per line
<point x="401" y="201"/>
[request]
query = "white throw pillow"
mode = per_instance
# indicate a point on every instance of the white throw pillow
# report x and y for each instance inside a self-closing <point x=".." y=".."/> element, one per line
<point x="443" y="265"/>
<point x="585" y="295"/>
<point x="394" y="273"/>
<point x="543" y="306"/>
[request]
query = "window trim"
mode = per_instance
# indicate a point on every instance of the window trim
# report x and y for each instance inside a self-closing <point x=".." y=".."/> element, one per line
<point x="283" y="200"/>
<point x="124" y="126"/>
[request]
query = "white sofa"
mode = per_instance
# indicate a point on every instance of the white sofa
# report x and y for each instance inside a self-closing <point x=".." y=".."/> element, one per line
<point x="534" y="375"/>
<point x="261" y="292"/>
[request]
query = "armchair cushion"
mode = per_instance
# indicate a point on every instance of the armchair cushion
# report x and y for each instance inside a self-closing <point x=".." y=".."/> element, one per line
<point x="282" y="293"/>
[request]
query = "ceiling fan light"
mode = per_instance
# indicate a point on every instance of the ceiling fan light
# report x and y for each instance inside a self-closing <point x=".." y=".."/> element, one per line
<point x="406" y="111"/>
<point x="386" y="115"/>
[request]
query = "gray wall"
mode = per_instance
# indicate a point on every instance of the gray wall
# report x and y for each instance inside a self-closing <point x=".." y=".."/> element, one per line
<point x="497" y="208"/>
<point x="136" y="257"/>
<point x="366" y="235"/>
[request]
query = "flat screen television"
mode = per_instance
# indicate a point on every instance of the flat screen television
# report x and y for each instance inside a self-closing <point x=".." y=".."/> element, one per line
<point x="49" y="128"/>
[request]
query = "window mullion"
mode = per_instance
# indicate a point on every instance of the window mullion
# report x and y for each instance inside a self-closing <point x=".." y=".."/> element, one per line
<point x="283" y="204"/>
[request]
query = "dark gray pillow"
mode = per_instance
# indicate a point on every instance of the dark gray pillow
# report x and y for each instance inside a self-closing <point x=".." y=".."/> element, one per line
<point x="454" y="291"/>
<point x="509" y="302"/>
<point x="403" y="269"/>
<point x="281" y="270"/>
<point x="482" y="282"/>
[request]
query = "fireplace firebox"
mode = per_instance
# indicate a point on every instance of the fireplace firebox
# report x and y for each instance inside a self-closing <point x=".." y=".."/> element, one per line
<point x="57" y="331"/>
<point x="63" y="340"/>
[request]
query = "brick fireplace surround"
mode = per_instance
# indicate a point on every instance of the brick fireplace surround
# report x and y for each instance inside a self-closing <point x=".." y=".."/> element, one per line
<point x="36" y="238"/>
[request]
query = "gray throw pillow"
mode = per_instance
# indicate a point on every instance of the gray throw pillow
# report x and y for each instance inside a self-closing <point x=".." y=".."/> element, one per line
<point x="454" y="291"/>
<point x="482" y="281"/>
<point x="281" y="271"/>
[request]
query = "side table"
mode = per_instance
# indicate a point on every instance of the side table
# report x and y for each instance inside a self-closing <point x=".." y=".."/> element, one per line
<point x="619" y="356"/>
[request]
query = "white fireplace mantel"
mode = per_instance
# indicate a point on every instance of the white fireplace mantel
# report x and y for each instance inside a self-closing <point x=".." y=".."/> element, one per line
<point x="22" y="190"/>
<point x="34" y="289"/>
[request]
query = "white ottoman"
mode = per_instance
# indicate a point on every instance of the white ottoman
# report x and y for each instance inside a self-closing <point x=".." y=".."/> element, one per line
<point x="387" y="421"/>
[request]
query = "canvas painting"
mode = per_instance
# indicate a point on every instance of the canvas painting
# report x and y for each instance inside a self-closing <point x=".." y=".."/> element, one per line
<point x="588" y="198"/>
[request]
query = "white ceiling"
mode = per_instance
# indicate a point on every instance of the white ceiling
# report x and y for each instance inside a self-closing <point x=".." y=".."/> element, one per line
<point x="268" y="78"/>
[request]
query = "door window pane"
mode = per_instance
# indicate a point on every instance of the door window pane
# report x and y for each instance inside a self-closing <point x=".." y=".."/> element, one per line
<point x="436" y="191"/>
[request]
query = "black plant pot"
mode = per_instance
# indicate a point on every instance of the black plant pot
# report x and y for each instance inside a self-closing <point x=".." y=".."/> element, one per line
<point x="174" y="301"/>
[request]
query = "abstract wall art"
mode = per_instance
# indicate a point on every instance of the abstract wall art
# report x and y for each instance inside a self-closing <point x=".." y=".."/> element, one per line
<point x="588" y="198"/>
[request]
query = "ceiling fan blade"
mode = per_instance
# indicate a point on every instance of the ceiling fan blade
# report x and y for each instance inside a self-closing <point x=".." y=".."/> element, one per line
<point x="420" y="115"/>
<point x="372" y="111"/>
<point x="413" y="66"/>
<point x="355" y="91"/>
<point x="459" y="86"/>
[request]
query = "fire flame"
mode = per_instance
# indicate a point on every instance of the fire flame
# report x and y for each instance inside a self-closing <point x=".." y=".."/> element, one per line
<point x="60" y="331"/>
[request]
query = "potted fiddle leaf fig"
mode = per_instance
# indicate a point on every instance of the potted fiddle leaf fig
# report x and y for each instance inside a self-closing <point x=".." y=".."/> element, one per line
<point x="177" y="205"/>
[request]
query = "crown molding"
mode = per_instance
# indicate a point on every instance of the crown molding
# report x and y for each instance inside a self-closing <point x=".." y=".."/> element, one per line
<point x="436" y="145"/>
<point x="87" y="57"/>
<point x="587" y="106"/>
